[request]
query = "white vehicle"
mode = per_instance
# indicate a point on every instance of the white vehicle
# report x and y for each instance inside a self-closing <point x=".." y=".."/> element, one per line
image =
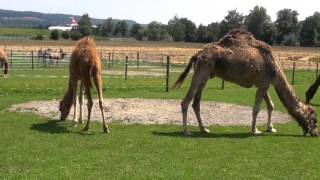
<point x="74" y="24"/>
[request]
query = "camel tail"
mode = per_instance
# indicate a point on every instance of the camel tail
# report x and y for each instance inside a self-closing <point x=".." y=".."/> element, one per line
<point x="184" y="74"/>
<point x="6" y="67"/>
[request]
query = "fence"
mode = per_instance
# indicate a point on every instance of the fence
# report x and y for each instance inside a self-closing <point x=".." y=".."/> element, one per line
<point x="141" y="64"/>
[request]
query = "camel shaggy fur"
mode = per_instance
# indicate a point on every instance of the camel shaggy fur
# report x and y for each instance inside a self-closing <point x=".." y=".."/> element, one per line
<point x="85" y="66"/>
<point x="241" y="59"/>
<point x="4" y="63"/>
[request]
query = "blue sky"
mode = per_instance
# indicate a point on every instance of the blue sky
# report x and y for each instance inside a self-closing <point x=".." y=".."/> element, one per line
<point x="145" y="11"/>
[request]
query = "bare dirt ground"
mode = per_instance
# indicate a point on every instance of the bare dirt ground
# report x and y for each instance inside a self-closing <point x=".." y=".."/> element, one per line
<point x="151" y="111"/>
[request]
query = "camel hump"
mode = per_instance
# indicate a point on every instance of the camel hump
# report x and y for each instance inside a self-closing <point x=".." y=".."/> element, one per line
<point x="86" y="41"/>
<point x="242" y="38"/>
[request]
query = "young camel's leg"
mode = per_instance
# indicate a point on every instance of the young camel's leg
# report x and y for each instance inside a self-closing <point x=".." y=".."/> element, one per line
<point x="196" y="107"/>
<point x="260" y="94"/>
<point x="81" y="102"/>
<point x="200" y="76"/>
<point x="89" y="105"/>
<point x="270" y="108"/>
<point x="74" y="98"/>
<point x="98" y="83"/>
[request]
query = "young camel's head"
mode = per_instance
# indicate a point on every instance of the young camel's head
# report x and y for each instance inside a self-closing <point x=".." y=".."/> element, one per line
<point x="64" y="108"/>
<point x="308" y="122"/>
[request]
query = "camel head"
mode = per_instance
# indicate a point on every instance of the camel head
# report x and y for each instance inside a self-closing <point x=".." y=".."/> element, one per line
<point x="309" y="122"/>
<point x="64" y="108"/>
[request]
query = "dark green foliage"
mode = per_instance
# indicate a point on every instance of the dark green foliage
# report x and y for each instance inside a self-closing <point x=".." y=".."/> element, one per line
<point x="54" y="35"/>
<point x="310" y="31"/>
<point x="258" y="22"/>
<point x="201" y="35"/>
<point x="38" y="37"/>
<point x="286" y="23"/>
<point x="121" y="29"/>
<point x="290" y="40"/>
<point x="176" y="29"/>
<point x="190" y="30"/>
<point x="212" y="32"/>
<point x="156" y="31"/>
<point x="65" y="34"/>
<point x="106" y="28"/>
<point x="134" y="31"/>
<point x="233" y="20"/>
<point x="85" y="25"/>
<point x="75" y="35"/>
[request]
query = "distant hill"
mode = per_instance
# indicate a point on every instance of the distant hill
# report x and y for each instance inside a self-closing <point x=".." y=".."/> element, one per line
<point x="29" y="19"/>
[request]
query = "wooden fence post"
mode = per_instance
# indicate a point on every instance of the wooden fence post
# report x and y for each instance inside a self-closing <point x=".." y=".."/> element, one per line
<point x="317" y="70"/>
<point x="126" y="69"/>
<point x="32" y="66"/>
<point x="138" y="59"/>
<point x="11" y="62"/>
<point x="167" y="75"/>
<point x="109" y="60"/>
<point x="222" y="84"/>
<point x="293" y="71"/>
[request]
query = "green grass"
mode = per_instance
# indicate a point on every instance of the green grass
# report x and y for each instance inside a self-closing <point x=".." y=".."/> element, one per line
<point x="23" y="32"/>
<point x="31" y="147"/>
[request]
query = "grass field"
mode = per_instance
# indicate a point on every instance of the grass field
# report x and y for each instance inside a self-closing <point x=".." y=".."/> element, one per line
<point x="31" y="147"/>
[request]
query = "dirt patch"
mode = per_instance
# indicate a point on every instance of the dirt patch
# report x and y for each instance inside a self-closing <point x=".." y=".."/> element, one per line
<point x="151" y="111"/>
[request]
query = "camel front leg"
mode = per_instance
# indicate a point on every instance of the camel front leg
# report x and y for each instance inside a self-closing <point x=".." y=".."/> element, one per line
<point x="270" y="108"/>
<point x="81" y="103"/>
<point x="260" y="94"/>
<point x="196" y="108"/>
<point x="74" y="98"/>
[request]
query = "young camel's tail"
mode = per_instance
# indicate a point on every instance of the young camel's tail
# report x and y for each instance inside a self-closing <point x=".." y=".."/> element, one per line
<point x="184" y="74"/>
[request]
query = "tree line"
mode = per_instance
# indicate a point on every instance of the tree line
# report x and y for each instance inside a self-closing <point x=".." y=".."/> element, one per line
<point x="286" y="30"/>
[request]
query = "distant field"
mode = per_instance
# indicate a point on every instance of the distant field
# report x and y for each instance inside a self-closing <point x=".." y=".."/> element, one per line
<point x="23" y="32"/>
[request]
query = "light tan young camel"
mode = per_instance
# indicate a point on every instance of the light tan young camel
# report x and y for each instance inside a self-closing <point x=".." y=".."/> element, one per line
<point x="84" y="66"/>
<point x="3" y="63"/>
<point x="239" y="58"/>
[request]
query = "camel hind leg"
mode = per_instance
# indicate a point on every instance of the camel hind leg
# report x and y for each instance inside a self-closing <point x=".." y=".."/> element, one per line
<point x="98" y="83"/>
<point x="270" y="108"/>
<point x="200" y="76"/>
<point x="196" y="107"/>
<point x="80" y="120"/>
<point x="260" y="94"/>
<point x="89" y="106"/>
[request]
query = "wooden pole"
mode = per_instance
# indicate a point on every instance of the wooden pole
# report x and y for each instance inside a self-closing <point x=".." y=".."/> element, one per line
<point x="32" y="67"/>
<point x="167" y="75"/>
<point x="126" y="69"/>
<point x="293" y="71"/>
<point x="222" y="84"/>
<point x="138" y="59"/>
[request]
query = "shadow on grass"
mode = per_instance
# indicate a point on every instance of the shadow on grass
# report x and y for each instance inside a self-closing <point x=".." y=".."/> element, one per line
<point x="221" y="135"/>
<point x="312" y="104"/>
<point x="56" y="127"/>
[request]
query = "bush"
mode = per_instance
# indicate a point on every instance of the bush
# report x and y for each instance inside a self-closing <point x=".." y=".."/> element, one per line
<point x="75" y="35"/>
<point x="54" y="35"/>
<point x="290" y="40"/>
<point x="65" y="34"/>
<point x="38" y="37"/>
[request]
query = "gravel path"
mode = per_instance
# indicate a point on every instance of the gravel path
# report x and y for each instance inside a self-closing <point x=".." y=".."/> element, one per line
<point x="151" y="111"/>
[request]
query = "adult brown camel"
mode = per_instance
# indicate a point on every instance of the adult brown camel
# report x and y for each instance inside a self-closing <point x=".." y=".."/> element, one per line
<point x="84" y="66"/>
<point x="239" y="58"/>
<point x="4" y="63"/>
<point x="312" y="90"/>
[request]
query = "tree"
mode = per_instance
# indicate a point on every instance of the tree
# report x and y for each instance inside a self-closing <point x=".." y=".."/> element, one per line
<point x="232" y="20"/>
<point x="309" y="33"/>
<point x="176" y="29"/>
<point x="134" y="31"/>
<point x="286" y="23"/>
<point x="54" y="34"/>
<point x="121" y="29"/>
<point x="85" y="25"/>
<point x="156" y="31"/>
<point x="190" y="29"/>
<point x="201" y="34"/>
<point x="75" y="34"/>
<point x="65" y="34"/>
<point x="213" y="31"/>
<point x="38" y="37"/>
<point x="106" y="28"/>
